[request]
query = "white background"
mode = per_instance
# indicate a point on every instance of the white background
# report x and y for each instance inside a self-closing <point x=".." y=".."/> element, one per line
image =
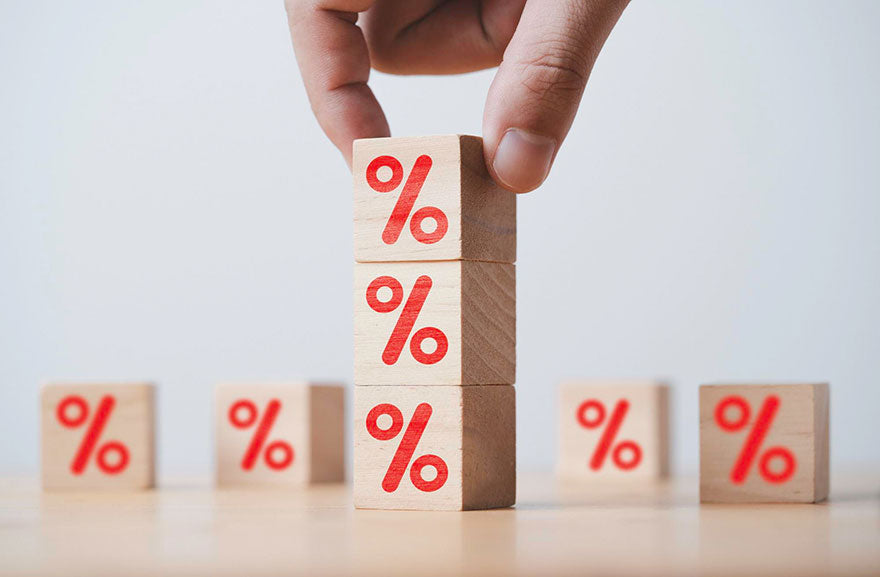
<point x="170" y="210"/>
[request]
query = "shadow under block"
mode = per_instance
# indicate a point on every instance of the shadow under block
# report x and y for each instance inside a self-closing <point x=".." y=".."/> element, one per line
<point x="97" y="436"/>
<point x="434" y="323"/>
<point x="277" y="435"/>
<point x="404" y="438"/>
<point x="764" y="443"/>
<point x="613" y="430"/>
<point x="419" y="178"/>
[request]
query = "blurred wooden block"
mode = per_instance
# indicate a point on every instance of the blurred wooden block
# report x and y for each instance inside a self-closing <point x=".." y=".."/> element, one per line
<point x="613" y="430"/>
<point x="97" y="436"/>
<point x="764" y="443"/>
<point x="429" y="198"/>
<point x="270" y="435"/>
<point x="434" y="323"/>
<point x="434" y="448"/>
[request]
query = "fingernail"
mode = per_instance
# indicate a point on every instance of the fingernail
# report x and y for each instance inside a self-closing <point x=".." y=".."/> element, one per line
<point x="522" y="159"/>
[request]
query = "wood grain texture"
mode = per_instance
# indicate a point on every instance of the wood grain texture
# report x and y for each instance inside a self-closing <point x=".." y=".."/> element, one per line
<point x="310" y="420"/>
<point x="129" y="421"/>
<point x="187" y="528"/>
<point x="472" y="303"/>
<point x="800" y="425"/>
<point x="645" y="423"/>
<point x="481" y="215"/>
<point x="472" y="429"/>
<point x="488" y="449"/>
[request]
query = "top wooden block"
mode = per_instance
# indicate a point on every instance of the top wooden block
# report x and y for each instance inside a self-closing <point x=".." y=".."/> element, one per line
<point x="429" y="198"/>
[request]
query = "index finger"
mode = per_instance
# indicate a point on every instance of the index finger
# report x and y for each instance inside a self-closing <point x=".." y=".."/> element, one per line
<point x="335" y="64"/>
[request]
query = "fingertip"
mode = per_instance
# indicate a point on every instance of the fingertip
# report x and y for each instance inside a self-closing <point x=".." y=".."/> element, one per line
<point x="349" y="113"/>
<point x="522" y="159"/>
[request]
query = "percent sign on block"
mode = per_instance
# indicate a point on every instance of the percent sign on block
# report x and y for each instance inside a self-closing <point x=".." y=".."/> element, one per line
<point x="738" y="421"/>
<point x="403" y="208"/>
<point x="407" y="320"/>
<point x="112" y="456"/>
<point x="626" y="455"/>
<point x="278" y="455"/>
<point x="403" y="456"/>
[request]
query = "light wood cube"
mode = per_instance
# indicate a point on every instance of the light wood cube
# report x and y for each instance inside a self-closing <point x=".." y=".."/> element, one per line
<point x="434" y="448"/>
<point x="279" y="435"/>
<point x="429" y="198"/>
<point x="613" y="430"/>
<point x="434" y="323"/>
<point x="764" y="443"/>
<point x="97" y="436"/>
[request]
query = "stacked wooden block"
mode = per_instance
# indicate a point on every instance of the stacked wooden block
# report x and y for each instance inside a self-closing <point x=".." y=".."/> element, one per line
<point x="435" y="327"/>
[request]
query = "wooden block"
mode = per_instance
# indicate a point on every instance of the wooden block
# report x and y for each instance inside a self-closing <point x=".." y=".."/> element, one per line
<point x="434" y="448"/>
<point x="429" y="198"/>
<point x="613" y="430"/>
<point x="271" y="435"/>
<point x="764" y="443"/>
<point x="434" y="323"/>
<point x="97" y="436"/>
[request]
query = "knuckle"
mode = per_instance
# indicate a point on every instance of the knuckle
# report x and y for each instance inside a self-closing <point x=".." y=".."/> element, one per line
<point x="556" y="72"/>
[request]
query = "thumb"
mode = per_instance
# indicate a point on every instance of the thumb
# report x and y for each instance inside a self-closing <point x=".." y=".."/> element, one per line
<point x="536" y="92"/>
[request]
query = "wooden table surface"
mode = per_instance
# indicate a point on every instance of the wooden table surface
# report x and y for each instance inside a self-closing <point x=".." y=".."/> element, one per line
<point x="188" y="528"/>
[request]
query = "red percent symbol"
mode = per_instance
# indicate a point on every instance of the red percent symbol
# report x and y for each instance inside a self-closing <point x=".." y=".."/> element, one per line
<point x="755" y="438"/>
<point x="407" y="447"/>
<point x="407" y="320"/>
<point x="407" y="199"/>
<point x="72" y="412"/>
<point x="273" y="449"/>
<point x="622" y="449"/>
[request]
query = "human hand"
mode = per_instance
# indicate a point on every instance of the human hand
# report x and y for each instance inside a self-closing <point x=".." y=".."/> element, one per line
<point x="544" y="50"/>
